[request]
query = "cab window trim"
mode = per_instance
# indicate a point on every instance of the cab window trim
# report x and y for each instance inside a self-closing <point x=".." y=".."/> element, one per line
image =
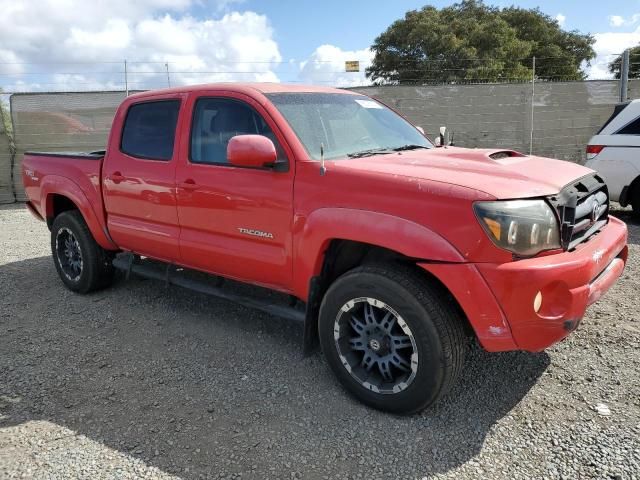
<point x="277" y="143"/>
<point x="175" y="130"/>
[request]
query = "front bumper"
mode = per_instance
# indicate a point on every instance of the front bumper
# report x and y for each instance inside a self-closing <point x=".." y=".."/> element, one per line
<point x="498" y="299"/>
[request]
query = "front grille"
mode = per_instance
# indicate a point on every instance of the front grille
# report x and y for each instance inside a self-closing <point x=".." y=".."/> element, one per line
<point x="583" y="209"/>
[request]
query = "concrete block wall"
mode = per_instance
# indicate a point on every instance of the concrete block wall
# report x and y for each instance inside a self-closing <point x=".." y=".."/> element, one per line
<point x="478" y="116"/>
<point x="565" y="115"/>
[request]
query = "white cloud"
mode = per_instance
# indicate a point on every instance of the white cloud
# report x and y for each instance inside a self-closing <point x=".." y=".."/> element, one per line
<point x="75" y="35"/>
<point x="50" y="36"/>
<point x="608" y="46"/>
<point x="114" y="35"/>
<point x="561" y="19"/>
<point x="226" y="4"/>
<point x="326" y="66"/>
<point x="616" y="21"/>
<point x="619" y="21"/>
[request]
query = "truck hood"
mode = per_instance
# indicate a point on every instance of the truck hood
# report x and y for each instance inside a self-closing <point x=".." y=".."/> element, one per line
<point x="503" y="174"/>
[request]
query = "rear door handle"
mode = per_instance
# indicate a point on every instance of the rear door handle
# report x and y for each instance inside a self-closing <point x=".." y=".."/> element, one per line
<point x="116" y="177"/>
<point x="188" y="184"/>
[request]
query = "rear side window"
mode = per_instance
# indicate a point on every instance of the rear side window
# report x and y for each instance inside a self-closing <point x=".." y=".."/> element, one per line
<point x="149" y="130"/>
<point x="616" y="111"/>
<point x="632" y="128"/>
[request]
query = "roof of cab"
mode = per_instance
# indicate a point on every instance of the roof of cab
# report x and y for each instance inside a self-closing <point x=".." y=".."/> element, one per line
<point x="247" y="88"/>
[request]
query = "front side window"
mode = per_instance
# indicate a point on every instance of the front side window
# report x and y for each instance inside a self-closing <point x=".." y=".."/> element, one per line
<point x="345" y="124"/>
<point x="216" y="121"/>
<point x="149" y="130"/>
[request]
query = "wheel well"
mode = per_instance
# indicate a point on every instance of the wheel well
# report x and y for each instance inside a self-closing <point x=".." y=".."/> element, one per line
<point x="634" y="189"/>
<point x="59" y="203"/>
<point x="344" y="255"/>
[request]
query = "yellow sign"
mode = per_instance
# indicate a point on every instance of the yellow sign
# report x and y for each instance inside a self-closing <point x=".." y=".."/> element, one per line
<point x="352" y="66"/>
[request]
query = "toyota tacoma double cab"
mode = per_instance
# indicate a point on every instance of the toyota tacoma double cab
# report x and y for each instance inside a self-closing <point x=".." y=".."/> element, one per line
<point x="397" y="253"/>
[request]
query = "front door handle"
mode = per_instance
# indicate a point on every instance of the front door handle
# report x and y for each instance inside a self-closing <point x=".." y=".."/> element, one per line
<point x="116" y="177"/>
<point x="188" y="184"/>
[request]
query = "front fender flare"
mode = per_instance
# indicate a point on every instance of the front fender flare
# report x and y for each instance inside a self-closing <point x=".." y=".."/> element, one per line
<point x="313" y="234"/>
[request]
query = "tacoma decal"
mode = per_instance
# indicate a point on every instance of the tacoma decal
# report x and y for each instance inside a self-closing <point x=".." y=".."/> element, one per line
<point x="255" y="233"/>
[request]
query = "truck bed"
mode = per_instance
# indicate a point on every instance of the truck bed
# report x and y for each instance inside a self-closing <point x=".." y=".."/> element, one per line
<point x="97" y="155"/>
<point x="78" y="174"/>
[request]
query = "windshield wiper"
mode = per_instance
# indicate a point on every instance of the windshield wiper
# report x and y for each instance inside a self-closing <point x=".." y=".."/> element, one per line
<point x="368" y="153"/>
<point x="410" y="146"/>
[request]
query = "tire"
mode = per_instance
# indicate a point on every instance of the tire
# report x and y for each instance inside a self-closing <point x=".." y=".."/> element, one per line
<point x="82" y="264"/>
<point x="635" y="201"/>
<point x="371" y="359"/>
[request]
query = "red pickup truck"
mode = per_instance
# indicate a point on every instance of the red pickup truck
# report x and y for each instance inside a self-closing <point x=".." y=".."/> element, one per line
<point x="398" y="250"/>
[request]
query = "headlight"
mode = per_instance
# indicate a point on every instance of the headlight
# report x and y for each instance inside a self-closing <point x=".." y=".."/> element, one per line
<point x="524" y="227"/>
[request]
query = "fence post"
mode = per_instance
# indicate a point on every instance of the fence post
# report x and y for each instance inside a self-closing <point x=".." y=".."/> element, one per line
<point x="10" y="155"/>
<point x="126" y="80"/>
<point x="533" y="92"/>
<point x="166" y="65"/>
<point x="624" y="76"/>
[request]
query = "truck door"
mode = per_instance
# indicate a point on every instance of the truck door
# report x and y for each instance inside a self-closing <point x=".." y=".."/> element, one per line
<point x="234" y="221"/>
<point x="139" y="179"/>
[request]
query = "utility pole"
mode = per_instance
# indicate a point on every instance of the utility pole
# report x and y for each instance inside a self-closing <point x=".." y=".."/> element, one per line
<point x="533" y="92"/>
<point x="126" y="80"/>
<point x="624" y="76"/>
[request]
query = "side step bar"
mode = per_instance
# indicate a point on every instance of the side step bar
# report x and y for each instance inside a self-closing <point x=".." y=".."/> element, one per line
<point x="126" y="262"/>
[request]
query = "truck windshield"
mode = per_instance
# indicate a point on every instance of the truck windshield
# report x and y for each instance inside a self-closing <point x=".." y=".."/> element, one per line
<point x="346" y="125"/>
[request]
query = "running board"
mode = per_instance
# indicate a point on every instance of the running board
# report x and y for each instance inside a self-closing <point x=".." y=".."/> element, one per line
<point x="127" y="263"/>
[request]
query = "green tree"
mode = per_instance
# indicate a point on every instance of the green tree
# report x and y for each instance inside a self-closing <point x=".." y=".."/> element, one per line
<point x="5" y="117"/>
<point x="472" y="41"/>
<point x="634" y="64"/>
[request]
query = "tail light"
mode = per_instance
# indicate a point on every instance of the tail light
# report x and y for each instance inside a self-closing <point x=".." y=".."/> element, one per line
<point x="593" y="150"/>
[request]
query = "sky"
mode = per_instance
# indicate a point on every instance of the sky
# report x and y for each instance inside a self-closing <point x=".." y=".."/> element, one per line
<point x="82" y="44"/>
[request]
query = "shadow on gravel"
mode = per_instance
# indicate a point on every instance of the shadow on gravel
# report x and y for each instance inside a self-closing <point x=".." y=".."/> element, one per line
<point x="203" y="388"/>
<point x="633" y="224"/>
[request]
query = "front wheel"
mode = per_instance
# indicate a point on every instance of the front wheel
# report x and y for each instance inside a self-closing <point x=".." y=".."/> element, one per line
<point x="394" y="340"/>
<point x="82" y="264"/>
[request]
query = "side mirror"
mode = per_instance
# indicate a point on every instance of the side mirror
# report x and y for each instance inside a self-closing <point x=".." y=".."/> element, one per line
<point x="254" y="151"/>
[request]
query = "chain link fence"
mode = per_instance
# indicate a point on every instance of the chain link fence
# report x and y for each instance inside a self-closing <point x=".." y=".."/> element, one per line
<point x="543" y="116"/>
<point x="59" y="122"/>
<point x="6" y="164"/>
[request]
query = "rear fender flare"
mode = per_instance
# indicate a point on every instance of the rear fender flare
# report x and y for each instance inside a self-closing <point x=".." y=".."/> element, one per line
<point x="57" y="185"/>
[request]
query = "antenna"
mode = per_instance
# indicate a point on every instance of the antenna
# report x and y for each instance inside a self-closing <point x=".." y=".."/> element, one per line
<point x="322" y="169"/>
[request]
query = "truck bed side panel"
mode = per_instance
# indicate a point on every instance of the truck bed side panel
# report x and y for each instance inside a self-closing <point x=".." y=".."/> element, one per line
<point x="75" y="176"/>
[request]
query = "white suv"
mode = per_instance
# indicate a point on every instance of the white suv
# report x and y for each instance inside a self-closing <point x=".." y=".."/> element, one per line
<point x="614" y="152"/>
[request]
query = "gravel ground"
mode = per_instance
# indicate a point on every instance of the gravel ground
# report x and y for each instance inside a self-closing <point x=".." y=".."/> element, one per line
<point x="139" y="381"/>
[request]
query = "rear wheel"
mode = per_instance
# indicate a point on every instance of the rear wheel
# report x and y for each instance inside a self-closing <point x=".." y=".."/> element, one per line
<point x="82" y="264"/>
<point x="393" y="339"/>
<point x="635" y="200"/>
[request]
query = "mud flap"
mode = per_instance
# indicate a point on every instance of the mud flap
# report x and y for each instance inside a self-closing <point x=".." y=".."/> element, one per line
<point x="310" y="339"/>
